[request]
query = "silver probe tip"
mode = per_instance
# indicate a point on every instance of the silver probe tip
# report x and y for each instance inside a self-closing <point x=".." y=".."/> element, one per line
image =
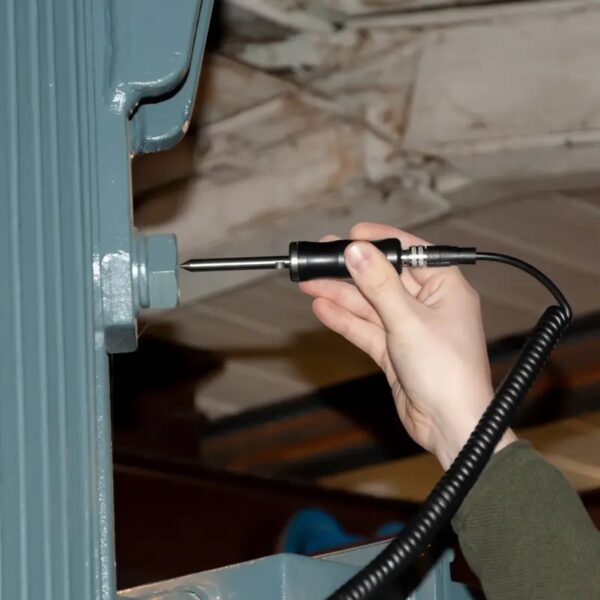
<point x="236" y="264"/>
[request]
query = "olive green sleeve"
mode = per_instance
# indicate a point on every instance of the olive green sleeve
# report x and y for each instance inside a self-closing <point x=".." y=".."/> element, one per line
<point x="525" y="533"/>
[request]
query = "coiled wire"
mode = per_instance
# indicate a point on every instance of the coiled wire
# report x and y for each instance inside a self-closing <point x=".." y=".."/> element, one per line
<point x="447" y="496"/>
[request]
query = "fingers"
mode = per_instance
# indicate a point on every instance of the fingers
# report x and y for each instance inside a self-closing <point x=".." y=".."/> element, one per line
<point x="375" y="231"/>
<point x="378" y="281"/>
<point x="344" y="295"/>
<point x="364" y="335"/>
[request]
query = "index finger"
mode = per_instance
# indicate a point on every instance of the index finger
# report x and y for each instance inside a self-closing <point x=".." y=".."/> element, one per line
<point x="378" y="231"/>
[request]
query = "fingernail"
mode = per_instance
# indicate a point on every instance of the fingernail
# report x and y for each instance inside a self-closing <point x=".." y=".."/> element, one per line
<point x="357" y="256"/>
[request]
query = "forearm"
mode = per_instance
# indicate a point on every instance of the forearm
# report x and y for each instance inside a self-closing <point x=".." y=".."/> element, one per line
<point x="525" y="532"/>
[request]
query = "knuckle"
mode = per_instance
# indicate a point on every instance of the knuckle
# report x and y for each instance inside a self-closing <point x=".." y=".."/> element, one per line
<point x="381" y="284"/>
<point x="343" y="296"/>
<point x="348" y="330"/>
<point x="471" y="296"/>
<point x="330" y="237"/>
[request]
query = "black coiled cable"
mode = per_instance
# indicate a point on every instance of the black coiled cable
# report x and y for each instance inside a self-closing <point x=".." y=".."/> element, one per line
<point x="448" y="494"/>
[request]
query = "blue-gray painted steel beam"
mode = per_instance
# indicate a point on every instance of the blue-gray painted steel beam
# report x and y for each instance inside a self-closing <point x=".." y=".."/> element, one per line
<point x="290" y="576"/>
<point x="76" y="78"/>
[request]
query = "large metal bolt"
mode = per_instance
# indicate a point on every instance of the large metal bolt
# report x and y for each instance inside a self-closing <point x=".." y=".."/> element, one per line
<point x="157" y="271"/>
<point x="163" y="271"/>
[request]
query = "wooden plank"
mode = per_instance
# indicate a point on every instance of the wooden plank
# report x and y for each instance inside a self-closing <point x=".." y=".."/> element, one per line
<point x="557" y="227"/>
<point x="517" y="289"/>
<point x="572" y="445"/>
<point x="465" y="93"/>
<point x="357" y="419"/>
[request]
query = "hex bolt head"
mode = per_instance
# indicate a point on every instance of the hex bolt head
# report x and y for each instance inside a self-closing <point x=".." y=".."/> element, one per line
<point x="162" y="271"/>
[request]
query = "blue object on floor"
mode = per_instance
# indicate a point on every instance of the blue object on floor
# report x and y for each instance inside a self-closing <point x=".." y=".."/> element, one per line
<point x="313" y="530"/>
<point x="389" y="530"/>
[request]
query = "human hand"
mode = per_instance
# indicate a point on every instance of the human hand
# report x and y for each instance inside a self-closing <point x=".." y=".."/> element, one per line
<point x="424" y="330"/>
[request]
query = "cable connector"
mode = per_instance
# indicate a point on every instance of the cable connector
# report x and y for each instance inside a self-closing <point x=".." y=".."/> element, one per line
<point x="438" y="256"/>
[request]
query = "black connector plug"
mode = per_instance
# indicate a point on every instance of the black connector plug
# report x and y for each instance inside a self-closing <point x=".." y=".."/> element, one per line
<point x="438" y="256"/>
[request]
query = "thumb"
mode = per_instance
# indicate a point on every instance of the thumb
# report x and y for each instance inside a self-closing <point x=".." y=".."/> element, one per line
<point x="379" y="282"/>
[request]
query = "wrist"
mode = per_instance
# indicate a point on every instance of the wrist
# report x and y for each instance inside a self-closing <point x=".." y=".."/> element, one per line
<point x="450" y="445"/>
<point x="455" y="427"/>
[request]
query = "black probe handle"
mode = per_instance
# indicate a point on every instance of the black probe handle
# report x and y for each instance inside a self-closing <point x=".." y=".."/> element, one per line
<point x="325" y="260"/>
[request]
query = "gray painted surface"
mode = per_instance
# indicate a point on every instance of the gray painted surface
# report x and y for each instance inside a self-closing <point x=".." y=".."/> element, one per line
<point x="293" y="577"/>
<point x="72" y="72"/>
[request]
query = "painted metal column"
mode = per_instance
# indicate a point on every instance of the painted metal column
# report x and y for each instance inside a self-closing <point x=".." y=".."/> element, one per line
<point x="85" y="84"/>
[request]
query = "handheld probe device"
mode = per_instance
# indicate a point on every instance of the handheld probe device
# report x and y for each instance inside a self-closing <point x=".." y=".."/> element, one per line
<point x="319" y="260"/>
<point x="314" y="260"/>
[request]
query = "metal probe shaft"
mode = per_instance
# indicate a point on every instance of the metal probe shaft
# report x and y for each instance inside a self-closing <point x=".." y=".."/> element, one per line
<point x="237" y="264"/>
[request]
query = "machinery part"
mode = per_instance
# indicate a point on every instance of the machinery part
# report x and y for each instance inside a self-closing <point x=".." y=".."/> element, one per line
<point x="142" y="277"/>
<point x="448" y="494"/>
<point x="155" y="272"/>
<point x="148" y="92"/>
<point x="317" y="260"/>
<point x="76" y="76"/>
<point x="285" y="576"/>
